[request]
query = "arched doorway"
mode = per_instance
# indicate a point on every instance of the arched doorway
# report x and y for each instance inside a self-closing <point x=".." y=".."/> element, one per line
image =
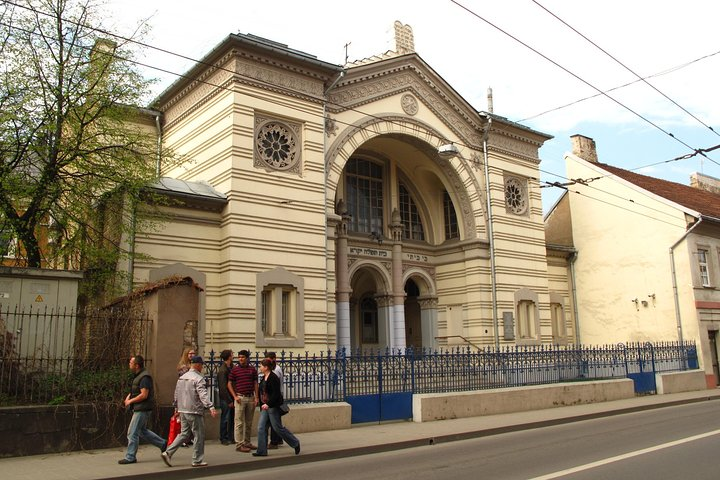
<point x="369" y="308"/>
<point x="413" y="325"/>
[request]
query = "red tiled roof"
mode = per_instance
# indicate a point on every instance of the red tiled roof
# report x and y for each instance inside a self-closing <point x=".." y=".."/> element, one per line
<point x="707" y="203"/>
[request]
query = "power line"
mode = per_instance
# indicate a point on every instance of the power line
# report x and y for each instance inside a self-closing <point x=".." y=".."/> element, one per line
<point x="625" y="67"/>
<point x="645" y="119"/>
<point x="664" y="72"/>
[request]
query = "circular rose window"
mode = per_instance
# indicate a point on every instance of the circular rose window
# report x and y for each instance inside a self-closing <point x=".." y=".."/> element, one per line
<point x="276" y="146"/>
<point x="515" y="196"/>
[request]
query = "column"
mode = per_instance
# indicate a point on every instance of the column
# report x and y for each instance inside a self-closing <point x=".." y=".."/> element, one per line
<point x="398" y="288"/>
<point x="342" y="292"/>
<point x="428" y="321"/>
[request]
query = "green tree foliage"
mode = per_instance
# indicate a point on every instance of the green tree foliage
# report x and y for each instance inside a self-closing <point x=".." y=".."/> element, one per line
<point x="72" y="142"/>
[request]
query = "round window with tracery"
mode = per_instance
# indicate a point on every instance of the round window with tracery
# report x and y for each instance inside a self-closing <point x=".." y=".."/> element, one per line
<point x="276" y="146"/>
<point x="515" y="196"/>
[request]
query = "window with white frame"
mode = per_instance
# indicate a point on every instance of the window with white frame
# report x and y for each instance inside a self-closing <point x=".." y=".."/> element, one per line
<point x="702" y="256"/>
<point x="280" y="317"/>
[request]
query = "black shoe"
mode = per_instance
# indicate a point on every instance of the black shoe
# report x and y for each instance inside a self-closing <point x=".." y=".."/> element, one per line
<point x="255" y="454"/>
<point x="225" y="442"/>
<point x="125" y="461"/>
<point x="297" y="449"/>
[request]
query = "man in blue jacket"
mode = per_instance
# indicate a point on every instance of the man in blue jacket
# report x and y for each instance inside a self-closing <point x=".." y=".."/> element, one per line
<point x="191" y="400"/>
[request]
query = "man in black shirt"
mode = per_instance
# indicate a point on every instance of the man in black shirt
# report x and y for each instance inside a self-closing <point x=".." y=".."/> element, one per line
<point x="140" y="401"/>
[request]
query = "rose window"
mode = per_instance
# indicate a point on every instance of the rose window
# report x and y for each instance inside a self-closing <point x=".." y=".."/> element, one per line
<point x="515" y="196"/>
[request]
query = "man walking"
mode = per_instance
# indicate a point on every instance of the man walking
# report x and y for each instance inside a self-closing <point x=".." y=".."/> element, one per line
<point x="140" y="401"/>
<point x="243" y="387"/>
<point x="191" y="400"/>
<point x="227" y="404"/>
<point x="275" y="439"/>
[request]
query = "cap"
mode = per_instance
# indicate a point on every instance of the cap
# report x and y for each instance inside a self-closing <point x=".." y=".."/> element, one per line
<point x="197" y="359"/>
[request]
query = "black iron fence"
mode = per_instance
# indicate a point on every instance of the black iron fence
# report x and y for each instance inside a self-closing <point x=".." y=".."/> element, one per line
<point x="60" y="356"/>
<point x="334" y="376"/>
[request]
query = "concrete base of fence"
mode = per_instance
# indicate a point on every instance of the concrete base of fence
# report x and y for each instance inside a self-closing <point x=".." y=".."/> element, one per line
<point x="310" y="417"/>
<point x="676" y="382"/>
<point x="441" y="406"/>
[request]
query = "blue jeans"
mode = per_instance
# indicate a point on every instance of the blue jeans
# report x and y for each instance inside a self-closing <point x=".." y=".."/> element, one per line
<point x="268" y="418"/>
<point x="227" y="421"/>
<point x="138" y="428"/>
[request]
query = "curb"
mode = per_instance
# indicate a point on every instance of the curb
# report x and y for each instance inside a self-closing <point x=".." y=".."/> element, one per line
<point x="186" y="472"/>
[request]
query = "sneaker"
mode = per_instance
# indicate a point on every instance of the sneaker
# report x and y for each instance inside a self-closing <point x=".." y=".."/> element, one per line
<point x="272" y="446"/>
<point x="200" y="464"/>
<point x="256" y="454"/>
<point x="125" y="461"/>
<point x="297" y="449"/>
<point x="166" y="458"/>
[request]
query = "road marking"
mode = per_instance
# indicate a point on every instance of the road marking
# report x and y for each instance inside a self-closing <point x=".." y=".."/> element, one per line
<point x="617" y="458"/>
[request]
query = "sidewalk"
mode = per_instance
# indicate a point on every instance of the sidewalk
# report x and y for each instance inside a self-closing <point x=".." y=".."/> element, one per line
<point x="316" y="446"/>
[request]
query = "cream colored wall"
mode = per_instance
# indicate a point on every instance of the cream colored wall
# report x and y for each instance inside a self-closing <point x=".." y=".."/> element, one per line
<point x="622" y="255"/>
<point x="272" y="218"/>
<point x="287" y="219"/>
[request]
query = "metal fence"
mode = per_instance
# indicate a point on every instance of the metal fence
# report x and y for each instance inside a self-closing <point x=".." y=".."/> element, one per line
<point x="334" y="376"/>
<point x="56" y="356"/>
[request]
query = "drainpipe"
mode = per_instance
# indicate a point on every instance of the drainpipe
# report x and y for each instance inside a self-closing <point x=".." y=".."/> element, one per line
<point x="338" y="315"/>
<point x="573" y="258"/>
<point x="491" y="236"/>
<point x="674" y="278"/>
<point x="159" y="145"/>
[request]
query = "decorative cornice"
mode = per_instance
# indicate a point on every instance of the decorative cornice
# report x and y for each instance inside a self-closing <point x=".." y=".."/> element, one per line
<point x="406" y="77"/>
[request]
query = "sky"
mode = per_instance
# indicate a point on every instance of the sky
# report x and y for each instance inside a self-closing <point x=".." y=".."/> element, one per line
<point x="533" y="62"/>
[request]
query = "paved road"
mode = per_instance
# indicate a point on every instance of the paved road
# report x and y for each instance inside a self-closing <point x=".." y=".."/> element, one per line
<point x="668" y="443"/>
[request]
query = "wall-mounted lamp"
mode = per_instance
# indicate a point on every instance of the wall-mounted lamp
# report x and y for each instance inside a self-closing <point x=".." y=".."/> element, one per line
<point x="376" y="236"/>
<point x="448" y="150"/>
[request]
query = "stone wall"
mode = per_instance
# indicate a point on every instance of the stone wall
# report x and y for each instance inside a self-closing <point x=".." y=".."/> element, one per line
<point x="62" y="428"/>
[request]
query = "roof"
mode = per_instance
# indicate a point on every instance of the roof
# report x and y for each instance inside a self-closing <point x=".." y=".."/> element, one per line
<point x="184" y="187"/>
<point x="701" y="201"/>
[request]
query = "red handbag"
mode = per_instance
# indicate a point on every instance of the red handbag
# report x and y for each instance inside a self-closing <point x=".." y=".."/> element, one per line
<point x="174" y="428"/>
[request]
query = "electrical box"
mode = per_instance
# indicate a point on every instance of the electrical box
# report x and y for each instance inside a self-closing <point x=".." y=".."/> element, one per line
<point x="37" y="311"/>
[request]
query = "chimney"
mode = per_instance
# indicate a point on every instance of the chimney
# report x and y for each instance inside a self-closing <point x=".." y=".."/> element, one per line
<point x="584" y="147"/>
<point x="705" y="182"/>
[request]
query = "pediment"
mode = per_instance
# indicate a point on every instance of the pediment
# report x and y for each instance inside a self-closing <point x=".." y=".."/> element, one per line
<point x="369" y="83"/>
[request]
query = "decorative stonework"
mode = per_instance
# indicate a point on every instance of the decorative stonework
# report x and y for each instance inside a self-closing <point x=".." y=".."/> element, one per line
<point x="516" y="196"/>
<point x="277" y="145"/>
<point x="408" y="77"/>
<point x="404" y="40"/>
<point x="331" y="127"/>
<point x="409" y="104"/>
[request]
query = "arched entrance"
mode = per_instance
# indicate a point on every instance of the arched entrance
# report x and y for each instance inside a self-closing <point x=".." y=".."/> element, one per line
<point x="369" y="308"/>
<point x="413" y="327"/>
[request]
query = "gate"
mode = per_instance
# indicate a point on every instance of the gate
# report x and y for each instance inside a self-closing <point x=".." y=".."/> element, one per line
<point x="379" y="387"/>
<point x="640" y="367"/>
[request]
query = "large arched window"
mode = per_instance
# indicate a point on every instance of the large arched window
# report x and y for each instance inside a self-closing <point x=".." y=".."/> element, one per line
<point x="364" y="195"/>
<point x="450" y="217"/>
<point x="412" y="225"/>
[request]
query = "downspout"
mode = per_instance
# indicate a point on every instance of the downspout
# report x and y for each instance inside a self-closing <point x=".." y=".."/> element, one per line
<point x="573" y="258"/>
<point x="676" y="297"/>
<point x="491" y="236"/>
<point x="325" y="176"/>
<point x="159" y="145"/>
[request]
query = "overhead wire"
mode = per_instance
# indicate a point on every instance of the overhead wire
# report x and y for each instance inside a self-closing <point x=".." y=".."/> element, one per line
<point x="574" y="75"/>
<point x="640" y="78"/>
<point x="590" y="97"/>
<point x="129" y="40"/>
